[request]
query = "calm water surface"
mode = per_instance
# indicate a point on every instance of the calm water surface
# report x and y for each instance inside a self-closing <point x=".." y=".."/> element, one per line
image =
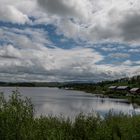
<point x="53" y="101"/>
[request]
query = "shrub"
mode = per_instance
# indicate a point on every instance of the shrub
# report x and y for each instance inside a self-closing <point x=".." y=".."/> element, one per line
<point x="17" y="122"/>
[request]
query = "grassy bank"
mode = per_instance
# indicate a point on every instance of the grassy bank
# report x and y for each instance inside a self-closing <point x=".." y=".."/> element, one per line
<point x="17" y="122"/>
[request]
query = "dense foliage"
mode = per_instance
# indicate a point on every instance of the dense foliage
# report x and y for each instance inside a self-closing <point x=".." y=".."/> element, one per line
<point x="17" y="122"/>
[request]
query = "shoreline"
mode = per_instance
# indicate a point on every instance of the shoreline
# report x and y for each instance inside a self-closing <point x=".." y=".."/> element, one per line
<point x="133" y="99"/>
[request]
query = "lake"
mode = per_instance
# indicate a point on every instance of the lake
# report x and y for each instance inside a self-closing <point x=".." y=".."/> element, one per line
<point x="54" y="101"/>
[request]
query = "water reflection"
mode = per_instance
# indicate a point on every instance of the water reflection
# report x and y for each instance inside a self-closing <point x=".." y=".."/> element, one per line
<point x="70" y="103"/>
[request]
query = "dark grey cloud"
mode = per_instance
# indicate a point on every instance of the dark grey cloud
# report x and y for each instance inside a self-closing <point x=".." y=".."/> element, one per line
<point x="56" y="7"/>
<point x="63" y="8"/>
<point x="130" y="27"/>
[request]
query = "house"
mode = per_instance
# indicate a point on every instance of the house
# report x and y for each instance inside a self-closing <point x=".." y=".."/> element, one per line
<point x="135" y="90"/>
<point x="112" y="87"/>
<point x="123" y="88"/>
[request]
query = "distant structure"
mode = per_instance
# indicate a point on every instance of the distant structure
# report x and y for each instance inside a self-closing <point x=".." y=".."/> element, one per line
<point x="135" y="90"/>
<point x="113" y="87"/>
<point x="123" y="88"/>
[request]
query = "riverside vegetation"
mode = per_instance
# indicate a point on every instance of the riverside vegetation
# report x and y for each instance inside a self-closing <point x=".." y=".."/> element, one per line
<point x="18" y="122"/>
<point x="102" y="88"/>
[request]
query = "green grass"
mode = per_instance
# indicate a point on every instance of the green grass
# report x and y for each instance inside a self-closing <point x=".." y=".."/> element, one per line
<point x="17" y="122"/>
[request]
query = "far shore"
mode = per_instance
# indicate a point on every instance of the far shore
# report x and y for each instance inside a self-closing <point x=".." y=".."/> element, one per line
<point x="134" y="99"/>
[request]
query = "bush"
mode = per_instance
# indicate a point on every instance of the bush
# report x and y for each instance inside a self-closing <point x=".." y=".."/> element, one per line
<point x="17" y="122"/>
<point x="16" y="117"/>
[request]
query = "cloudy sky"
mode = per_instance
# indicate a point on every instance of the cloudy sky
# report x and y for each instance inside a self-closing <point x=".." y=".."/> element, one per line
<point x="69" y="40"/>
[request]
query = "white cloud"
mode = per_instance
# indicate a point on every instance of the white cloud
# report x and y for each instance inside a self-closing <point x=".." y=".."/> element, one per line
<point x="108" y="49"/>
<point x="26" y="55"/>
<point x="70" y="29"/>
<point x="119" y="55"/>
<point x="96" y="20"/>
<point x="11" y="14"/>
<point x="9" y="52"/>
<point x="26" y="38"/>
<point x="46" y="64"/>
<point x="57" y="63"/>
<point x="129" y="62"/>
<point x="90" y="20"/>
<point x="134" y="50"/>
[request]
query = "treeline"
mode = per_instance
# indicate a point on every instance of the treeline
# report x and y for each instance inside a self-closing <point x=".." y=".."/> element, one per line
<point x="18" y="122"/>
<point x="90" y="86"/>
<point x="103" y="86"/>
<point x="30" y="84"/>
